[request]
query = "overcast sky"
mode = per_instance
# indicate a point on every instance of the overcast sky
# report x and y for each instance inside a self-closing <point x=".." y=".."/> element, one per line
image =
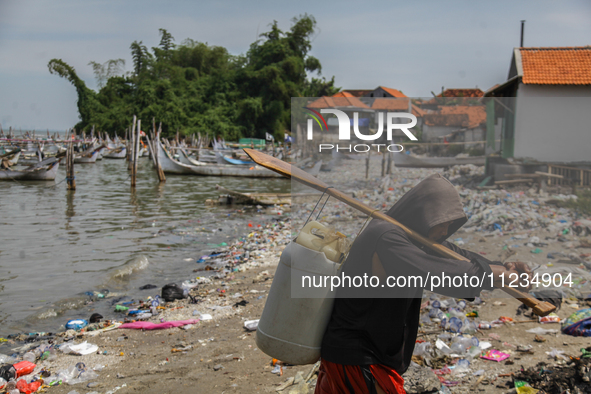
<point x="414" y="46"/>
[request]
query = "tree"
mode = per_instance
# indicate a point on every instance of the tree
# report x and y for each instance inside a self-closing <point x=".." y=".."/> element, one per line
<point x="88" y="104"/>
<point x="196" y="87"/>
<point x="107" y="70"/>
<point x="140" y="56"/>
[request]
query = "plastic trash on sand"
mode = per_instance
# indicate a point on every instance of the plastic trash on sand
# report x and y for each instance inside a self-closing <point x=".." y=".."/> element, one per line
<point x="28" y="388"/>
<point x="540" y="330"/>
<point x="251" y="325"/>
<point x="439" y="344"/>
<point x="494" y="355"/>
<point x="76" y="324"/>
<point x="82" y="349"/>
<point x="578" y="324"/>
<point x="144" y="325"/>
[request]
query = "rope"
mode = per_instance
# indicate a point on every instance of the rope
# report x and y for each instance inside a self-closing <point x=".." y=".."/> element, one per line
<point x="316" y="206"/>
<point x="325" y="201"/>
<point x="366" y="221"/>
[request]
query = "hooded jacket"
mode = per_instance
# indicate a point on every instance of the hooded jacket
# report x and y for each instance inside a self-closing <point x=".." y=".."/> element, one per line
<point x="378" y="325"/>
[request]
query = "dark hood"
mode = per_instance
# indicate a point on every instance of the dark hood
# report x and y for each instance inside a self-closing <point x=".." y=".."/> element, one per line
<point x="433" y="201"/>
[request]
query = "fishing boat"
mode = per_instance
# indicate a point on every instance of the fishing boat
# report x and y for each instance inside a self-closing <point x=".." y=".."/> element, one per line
<point x="10" y="159"/>
<point x="115" y="153"/>
<point x="86" y="158"/>
<point x="185" y="159"/>
<point x="172" y="166"/>
<point x="229" y="160"/>
<point x="45" y="170"/>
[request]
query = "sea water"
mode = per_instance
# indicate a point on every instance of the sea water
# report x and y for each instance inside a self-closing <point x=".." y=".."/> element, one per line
<point x="58" y="247"/>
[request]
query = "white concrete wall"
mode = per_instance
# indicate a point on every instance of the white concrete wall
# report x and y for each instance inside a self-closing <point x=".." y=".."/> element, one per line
<point x="553" y="123"/>
<point x="430" y="133"/>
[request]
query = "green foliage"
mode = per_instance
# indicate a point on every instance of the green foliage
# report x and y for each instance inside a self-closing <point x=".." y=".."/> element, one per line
<point x="476" y="151"/>
<point x="194" y="87"/>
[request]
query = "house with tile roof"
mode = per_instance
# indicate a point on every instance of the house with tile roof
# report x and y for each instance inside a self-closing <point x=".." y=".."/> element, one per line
<point x="349" y="105"/>
<point x="390" y="104"/>
<point x="380" y="91"/>
<point x="543" y="110"/>
<point x="474" y="92"/>
<point x="459" y="123"/>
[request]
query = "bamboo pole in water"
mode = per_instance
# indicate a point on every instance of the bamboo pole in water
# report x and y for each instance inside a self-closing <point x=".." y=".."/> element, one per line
<point x="161" y="176"/>
<point x="70" y="177"/>
<point x="133" y="152"/>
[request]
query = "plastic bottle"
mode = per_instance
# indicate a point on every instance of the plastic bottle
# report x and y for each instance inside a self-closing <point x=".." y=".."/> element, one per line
<point x="455" y="324"/>
<point x="11" y="385"/>
<point x="156" y="302"/>
<point x="461" y="305"/>
<point x="2" y="383"/>
<point x="30" y="357"/>
<point x="453" y="312"/>
<point x="138" y="311"/>
<point x="468" y="327"/>
<point x="462" y="365"/>
<point x="474" y="351"/>
<point x="121" y="308"/>
<point x="4" y="359"/>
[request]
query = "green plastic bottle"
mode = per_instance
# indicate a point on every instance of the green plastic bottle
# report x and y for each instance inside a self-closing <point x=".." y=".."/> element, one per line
<point x="121" y="308"/>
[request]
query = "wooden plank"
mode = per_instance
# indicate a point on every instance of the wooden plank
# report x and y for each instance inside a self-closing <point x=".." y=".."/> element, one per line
<point x="513" y="181"/>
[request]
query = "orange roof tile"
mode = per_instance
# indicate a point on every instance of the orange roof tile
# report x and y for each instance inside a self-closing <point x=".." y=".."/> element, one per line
<point x="390" y="104"/>
<point x="394" y="92"/>
<point x="417" y="111"/>
<point x="358" y="92"/>
<point x="556" y="66"/>
<point x="457" y="115"/>
<point x="344" y="93"/>
<point x="332" y="102"/>
<point x="475" y="92"/>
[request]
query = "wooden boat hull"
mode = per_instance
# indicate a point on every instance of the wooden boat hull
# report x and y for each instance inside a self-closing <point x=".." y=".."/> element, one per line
<point x="11" y="160"/>
<point x="115" y="153"/>
<point x="87" y="159"/>
<point x="40" y="174"/>
<point x="171" y="166"/>
<point x="229" y="160"/>
<point x="185" y="159"/>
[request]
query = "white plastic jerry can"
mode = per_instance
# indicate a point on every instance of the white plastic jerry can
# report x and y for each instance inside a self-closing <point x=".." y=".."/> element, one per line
<point x="296" y="315"/>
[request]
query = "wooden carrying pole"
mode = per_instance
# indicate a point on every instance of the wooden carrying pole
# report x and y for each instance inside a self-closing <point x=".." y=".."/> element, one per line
<point x="539" y="308"/>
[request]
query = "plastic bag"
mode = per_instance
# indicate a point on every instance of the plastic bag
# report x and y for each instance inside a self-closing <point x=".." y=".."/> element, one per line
<point x="578" y="324"/>
<point x="7" y="372"/>
<point x="23" y="368"/>
<point x="28" y="388"/>
<point x="82" y="349"/>
<point x="171" y="292"/>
